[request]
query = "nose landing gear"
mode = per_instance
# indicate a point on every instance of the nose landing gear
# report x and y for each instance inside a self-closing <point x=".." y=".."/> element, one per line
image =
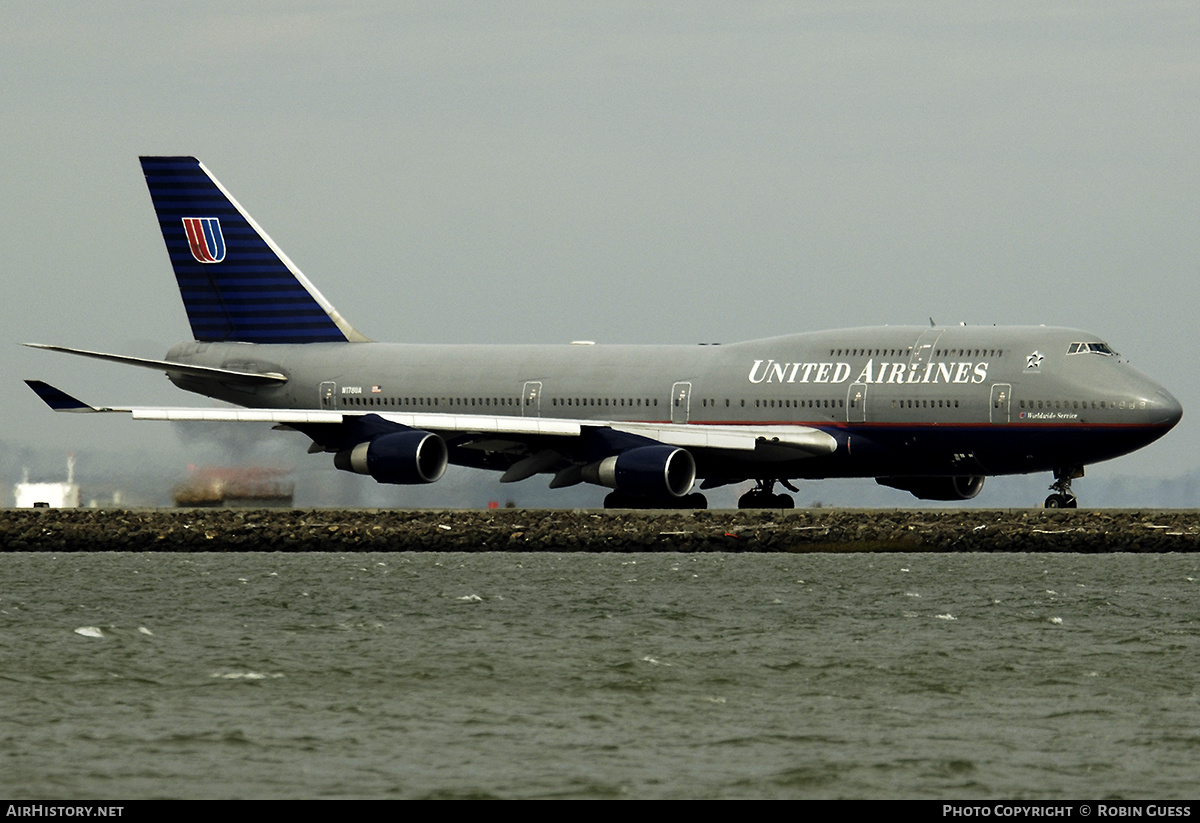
<point x="1063" y="498"/>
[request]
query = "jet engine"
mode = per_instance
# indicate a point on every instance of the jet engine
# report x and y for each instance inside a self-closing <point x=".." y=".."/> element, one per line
<point x="936" y="488"/>
<point x="404" y="457"/>
<point x="646" y="471"/>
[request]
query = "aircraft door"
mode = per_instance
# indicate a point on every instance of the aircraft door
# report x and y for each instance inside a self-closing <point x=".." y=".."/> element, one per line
<point x="328" y="395"/>
<point x="681" y="402"/>
<point x="923" y="348"/>
<point x="531" y="399"/>
<point x="998" y="411"/>
<point x="856" y="403"/>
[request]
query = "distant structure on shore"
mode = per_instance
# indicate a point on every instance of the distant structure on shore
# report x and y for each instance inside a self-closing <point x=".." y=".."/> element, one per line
<point x="236" y="487"/>
<point x="48" y="495"/>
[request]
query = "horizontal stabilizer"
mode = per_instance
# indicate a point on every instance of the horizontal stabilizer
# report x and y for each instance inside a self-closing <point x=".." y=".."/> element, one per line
<point x="227" y="375"/>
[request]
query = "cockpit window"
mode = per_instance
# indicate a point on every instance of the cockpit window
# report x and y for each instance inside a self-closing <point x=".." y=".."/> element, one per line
<point x="1091" y="348"/>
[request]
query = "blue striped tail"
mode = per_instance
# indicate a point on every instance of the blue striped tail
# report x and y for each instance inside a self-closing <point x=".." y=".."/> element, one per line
<point x="236" y="284"/>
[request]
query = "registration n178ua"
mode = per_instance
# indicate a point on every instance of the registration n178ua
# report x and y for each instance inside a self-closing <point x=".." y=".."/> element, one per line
<point x="930" y="410"/>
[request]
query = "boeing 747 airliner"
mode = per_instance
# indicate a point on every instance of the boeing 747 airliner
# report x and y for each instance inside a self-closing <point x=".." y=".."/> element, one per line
<point x="930" y="410"/>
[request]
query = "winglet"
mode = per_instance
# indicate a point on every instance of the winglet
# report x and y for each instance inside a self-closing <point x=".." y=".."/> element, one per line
<point x="58" y="399"/>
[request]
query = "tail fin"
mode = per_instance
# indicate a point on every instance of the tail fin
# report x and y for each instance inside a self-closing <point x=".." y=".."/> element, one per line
<point x="237" y="285"/>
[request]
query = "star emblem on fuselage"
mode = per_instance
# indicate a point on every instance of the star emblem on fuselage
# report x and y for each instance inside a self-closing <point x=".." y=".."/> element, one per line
<point x="1034" y="361"/>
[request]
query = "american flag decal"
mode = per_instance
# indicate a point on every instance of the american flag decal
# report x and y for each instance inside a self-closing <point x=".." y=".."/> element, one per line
<point x="205" y="238"/>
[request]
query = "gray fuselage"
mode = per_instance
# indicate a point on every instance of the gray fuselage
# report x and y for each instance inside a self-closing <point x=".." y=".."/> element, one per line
<point x="899" y="400"/>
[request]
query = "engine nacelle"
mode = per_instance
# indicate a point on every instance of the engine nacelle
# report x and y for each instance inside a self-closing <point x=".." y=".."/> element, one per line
<point x="936" y="488"/>
<point x="647" y="471"/>
<point x="404" y="457"/>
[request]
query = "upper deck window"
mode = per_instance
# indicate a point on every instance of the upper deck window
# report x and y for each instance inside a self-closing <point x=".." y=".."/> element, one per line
<point x="1091" y="348"/>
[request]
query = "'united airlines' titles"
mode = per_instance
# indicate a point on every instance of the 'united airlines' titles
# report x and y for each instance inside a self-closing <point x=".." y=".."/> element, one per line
<point x="773" y="371"/>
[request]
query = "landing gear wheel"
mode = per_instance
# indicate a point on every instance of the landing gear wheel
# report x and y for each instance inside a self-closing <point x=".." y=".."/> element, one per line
<point x="1062" y="497"/>
<point x="763" y="496"/>
<point x="620" y="500"/>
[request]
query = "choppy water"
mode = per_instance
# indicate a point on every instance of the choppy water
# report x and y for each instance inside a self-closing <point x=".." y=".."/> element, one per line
<point x="566" y="675"/>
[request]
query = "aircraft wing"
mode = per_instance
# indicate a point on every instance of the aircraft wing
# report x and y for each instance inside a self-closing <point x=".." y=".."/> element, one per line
<point x="517" y="431"/>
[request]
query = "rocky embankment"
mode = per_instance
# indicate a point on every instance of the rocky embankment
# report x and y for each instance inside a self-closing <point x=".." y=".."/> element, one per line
<point x="523" y="530"/>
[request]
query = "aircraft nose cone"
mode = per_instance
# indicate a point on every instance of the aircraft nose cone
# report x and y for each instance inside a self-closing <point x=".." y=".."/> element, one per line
<point x="1168" y="410"/>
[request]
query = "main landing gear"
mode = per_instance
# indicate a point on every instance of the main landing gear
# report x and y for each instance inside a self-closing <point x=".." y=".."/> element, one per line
<point x="1063" y="497"/>
<point x="763" y="496"/>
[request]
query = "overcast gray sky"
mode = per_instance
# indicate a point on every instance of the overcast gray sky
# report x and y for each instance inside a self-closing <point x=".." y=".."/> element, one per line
<point x="621" y="172"/>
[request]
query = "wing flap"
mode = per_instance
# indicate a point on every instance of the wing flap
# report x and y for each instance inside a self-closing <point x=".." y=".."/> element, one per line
<point x="234" y="415"/>
<point x="738" y="438"/>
